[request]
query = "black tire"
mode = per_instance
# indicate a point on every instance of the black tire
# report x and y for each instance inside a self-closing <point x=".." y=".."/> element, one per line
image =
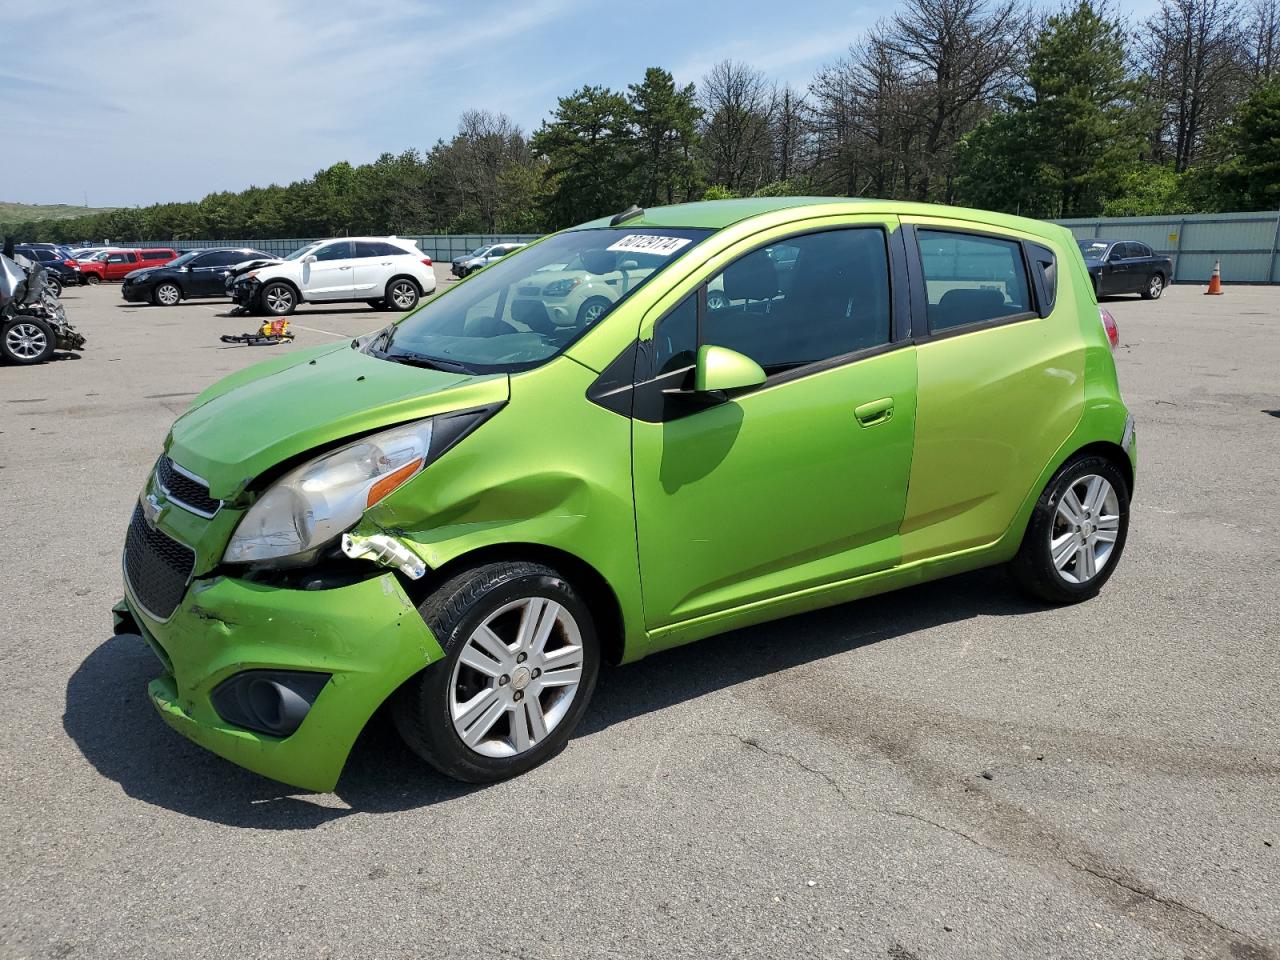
<point x="453" y="612"/>
<point x="92" y="279"/>
<point x="25" y="341"/>
<point x="166" y="294"/>
<point x="54" y="284"/>
<point x="403" y="294"/>
<point x="1033" y="568"/>
<point x="590" y="304"/>
<point x="1155" y="287"/>
<point x="277" y="298"/>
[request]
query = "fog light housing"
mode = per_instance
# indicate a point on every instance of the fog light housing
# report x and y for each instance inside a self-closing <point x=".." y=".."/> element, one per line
<point x="274" y="702"/>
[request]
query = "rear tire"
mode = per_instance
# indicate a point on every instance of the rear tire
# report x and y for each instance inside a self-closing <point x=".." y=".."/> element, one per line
<point x="402" y="294"/>
<point x="278" y="299"/>
<point x="490" y="686"/>
<point x="25" y="341"/>
<point x="1154" y="287"/>
<point x="93" y="279"/>
<point x="1076" y="533"/>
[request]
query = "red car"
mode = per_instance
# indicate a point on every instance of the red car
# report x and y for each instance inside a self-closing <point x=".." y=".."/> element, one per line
<point x="114" y="264"/>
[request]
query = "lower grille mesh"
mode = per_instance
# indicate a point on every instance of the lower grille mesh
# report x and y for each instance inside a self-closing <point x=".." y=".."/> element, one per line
<point x="156" y="566"/>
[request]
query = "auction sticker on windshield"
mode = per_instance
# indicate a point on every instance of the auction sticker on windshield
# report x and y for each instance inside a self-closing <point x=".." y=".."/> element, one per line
<point x="647" y="243"/>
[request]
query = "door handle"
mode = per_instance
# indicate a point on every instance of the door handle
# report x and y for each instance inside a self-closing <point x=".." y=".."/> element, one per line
<point x="875" y="411"/>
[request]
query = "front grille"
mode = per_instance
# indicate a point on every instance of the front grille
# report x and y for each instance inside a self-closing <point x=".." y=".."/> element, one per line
<point x="156" y="566"/>
<point x="185" y="490"/>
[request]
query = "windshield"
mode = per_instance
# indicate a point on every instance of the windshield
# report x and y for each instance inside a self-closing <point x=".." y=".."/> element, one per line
<point x="1092" y="249"/>
<point x="184" y="259"/>
<point x="478" y="252"/>
<point x="303" y="251"/>
<point x="517" y="313"/>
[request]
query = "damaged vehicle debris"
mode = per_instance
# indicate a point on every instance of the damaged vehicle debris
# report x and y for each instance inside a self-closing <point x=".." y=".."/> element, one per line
<point x="33" y="323"/>
<point x="777" y="405"/>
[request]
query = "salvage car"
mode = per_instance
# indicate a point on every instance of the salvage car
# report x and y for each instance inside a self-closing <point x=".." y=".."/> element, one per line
<point x="197" y="273"/>
<point x="463" y="514"/>
<point x="1125" y="266"/>
<point x="385" y="272"/>
<point x="33" y="324"/>
<point x="478" y="259"/>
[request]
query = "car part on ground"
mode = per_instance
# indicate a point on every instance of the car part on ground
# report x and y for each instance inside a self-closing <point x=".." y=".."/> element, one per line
<point x="825" y="400"/>
<point x="271" y="333"/>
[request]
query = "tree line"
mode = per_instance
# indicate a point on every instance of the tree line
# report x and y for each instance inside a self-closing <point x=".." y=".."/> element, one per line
<point x="977" y="102"/>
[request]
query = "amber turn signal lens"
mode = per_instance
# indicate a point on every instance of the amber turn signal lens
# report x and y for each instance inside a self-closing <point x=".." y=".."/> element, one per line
<point x="392" y="480"/>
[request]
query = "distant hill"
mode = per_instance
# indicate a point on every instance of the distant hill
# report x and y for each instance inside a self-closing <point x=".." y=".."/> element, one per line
<point x="24" y="212"/>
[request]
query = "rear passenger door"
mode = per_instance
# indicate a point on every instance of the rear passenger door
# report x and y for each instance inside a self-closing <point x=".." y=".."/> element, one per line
<point x="120" y="263"/>
<point x="209" y="273"/>
<point x="375" y="265"/>
<point x="1001" y="377"/>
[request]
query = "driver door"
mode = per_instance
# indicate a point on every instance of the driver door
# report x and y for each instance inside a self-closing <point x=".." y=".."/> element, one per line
<point x="799" y="482"/>
<point x="331" y="276"/>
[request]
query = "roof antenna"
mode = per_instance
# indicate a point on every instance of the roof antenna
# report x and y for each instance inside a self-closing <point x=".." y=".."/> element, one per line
<point x="629" y="214"/>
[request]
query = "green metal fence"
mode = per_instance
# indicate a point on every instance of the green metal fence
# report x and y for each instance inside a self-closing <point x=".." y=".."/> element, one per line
<point x="1245" y="243"/>
<point x="437" y="246"/>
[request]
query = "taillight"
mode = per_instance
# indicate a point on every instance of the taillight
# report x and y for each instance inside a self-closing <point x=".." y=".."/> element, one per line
<point x="1109" y="325"/>
<point x="426" y="261"/>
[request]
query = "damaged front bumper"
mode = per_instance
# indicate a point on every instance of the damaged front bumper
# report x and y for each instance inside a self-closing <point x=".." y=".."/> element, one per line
<point x="367" y="637"/>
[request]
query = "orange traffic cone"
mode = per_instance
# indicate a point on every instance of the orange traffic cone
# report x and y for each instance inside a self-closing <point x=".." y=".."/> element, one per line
<point x="1215" y="281"/>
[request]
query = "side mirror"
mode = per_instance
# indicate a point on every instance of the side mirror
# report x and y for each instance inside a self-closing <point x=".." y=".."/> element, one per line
<point x="719" y="368"/>
<point x="309" y="258"/>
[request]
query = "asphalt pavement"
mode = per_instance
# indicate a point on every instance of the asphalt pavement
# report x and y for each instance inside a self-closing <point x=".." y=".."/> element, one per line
<point x="944" y="772"/>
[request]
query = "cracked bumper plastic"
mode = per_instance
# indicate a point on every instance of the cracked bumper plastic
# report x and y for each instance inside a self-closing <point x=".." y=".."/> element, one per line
<point x="368" y="635"/>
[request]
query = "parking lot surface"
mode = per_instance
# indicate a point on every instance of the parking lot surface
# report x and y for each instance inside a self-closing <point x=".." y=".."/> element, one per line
<point x="943" y="772"/>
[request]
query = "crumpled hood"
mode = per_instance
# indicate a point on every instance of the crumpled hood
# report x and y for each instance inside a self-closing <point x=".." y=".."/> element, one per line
<point x="273" y="411"/>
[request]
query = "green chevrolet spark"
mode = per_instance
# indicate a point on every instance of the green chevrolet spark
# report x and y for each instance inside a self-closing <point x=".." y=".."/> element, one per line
<point x="624" y="437"/>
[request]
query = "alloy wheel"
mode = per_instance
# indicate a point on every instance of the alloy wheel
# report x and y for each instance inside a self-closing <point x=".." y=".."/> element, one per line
<point x="403" y="294"/>
<point x="26" y="341"/>
<point x="278" y="298"/>
<point x="516" y="678"/>
<point x="594" y="312"/>
<point x="1155" y="287"/>
<point x="1084" y="529"/>
<point x="168" y="294"/>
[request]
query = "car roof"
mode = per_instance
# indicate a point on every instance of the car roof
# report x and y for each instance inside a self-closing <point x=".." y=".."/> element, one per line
<point x="718" y="214"/>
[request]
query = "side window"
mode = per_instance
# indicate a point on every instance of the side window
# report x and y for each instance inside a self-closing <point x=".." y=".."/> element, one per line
<point x="1126" y="251"/>
<point x="223" y="258"/>
<point x="1143" y="250"/>
<point x="131" y="257"/>
<point x="1046" y="266"/>
<point x="335" y="251"/>
<point x="675" y="339"/>
<point x="971" y="279"/>
<point x="814" y="297"/>
<point x="369" y="248"/>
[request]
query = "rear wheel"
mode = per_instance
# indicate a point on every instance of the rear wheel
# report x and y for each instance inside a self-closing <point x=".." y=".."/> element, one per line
<point x="278" y="299"/>
<point x="92" y="279"/>
<point x="166" y="295"/>
<point x="521" y="657"/>
<point x="1154" y="287"/>
<point x="1077" y="532"/>
<point x="27" y="340"/>
<point x="402" y="294"/>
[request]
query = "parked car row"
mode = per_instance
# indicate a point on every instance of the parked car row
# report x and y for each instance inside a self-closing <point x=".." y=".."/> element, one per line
<point x="481" y="257"/>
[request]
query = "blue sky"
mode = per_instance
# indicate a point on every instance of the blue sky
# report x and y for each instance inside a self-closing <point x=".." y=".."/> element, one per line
<point x="174" y="100"/>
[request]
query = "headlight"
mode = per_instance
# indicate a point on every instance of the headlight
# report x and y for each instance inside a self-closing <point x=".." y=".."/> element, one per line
<point x="560" y="288"/>
<point x="251" y="273"/>
<point x="316" y="502"/>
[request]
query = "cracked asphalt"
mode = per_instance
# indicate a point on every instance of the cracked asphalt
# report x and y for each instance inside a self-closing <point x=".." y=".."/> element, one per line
<point x="944" y="772"/>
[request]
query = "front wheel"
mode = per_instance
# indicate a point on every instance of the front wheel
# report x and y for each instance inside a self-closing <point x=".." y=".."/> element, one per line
<point x="27" y="340"/>
<point x="278" y="299"/>
<point x="592" y="310"/>
<point x="1076" y="534"/>
<point x="1154" y="287"/>
<point x="166" y="295"/>
<point x="521" y="658"/>
<point x="55" y="285"/>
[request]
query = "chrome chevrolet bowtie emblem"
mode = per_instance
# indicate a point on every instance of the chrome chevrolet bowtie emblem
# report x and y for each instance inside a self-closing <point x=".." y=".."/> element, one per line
<point x="152" y="510"/>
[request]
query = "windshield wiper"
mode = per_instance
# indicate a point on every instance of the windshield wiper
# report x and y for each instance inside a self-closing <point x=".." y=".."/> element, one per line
<point x="422" y="360"/>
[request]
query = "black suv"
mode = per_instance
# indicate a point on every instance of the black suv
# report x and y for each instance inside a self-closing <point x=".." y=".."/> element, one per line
<point x="197" y="273"/>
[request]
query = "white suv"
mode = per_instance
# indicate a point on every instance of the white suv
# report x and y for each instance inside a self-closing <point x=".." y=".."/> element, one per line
<point x="385" y="272"/>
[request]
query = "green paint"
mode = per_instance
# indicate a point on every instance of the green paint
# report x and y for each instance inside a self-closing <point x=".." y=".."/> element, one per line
<point x="788" y="495"/>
